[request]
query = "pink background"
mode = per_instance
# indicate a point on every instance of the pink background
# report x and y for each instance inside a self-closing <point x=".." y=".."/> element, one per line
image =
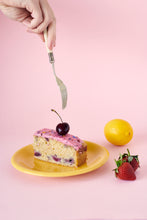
<point x="101" y="55"/>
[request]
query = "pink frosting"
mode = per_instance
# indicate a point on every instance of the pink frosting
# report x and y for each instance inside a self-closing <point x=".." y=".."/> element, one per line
<point x="67" y="139"/>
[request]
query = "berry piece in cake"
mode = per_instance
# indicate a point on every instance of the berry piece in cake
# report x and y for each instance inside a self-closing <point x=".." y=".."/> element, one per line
<point x="57" y="159"/>
<point x="37" y="154"/>
<point x="70" y="161"/>
<point x="62" y="128"/>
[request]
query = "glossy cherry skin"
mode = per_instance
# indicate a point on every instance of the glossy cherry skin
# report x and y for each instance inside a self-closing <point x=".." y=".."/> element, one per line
<point x="62" y="128"/>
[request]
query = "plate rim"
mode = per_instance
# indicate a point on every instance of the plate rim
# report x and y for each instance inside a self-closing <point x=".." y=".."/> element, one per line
<point x="58" y="174"/>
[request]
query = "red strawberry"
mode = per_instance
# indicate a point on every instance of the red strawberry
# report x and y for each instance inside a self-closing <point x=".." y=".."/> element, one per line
<point x="125" y="171"/>
<point x="132" y="159"/>
<point x="134" y="163"/>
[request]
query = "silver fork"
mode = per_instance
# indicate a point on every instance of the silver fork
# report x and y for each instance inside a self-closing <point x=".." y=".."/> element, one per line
<point x="60" y="83"/>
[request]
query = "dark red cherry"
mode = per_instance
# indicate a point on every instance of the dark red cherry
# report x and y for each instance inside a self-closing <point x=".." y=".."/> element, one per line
<point x="62" y="128"/>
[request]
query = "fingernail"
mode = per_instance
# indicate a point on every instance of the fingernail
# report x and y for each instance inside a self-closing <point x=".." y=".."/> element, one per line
<point x="53" y="44"/>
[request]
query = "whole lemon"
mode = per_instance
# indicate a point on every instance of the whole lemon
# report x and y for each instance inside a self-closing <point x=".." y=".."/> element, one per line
<point x="118" y="132"/>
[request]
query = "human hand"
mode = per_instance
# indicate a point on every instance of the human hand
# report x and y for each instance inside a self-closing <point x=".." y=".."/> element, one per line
<point x="36" y="15"/>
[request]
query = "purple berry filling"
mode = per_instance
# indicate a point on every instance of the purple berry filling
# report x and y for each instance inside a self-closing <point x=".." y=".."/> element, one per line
<point x="71" y="160"/>
<point x="37" y="154"/>
<point x="57" y="159"/>
<point x="47" y="139"/>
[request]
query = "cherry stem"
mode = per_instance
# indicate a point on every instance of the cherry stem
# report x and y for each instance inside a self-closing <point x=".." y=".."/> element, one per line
<point x="57" y="114"/>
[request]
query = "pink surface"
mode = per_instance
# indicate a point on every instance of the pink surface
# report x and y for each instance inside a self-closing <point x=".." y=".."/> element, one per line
<point x="101" y="55"/>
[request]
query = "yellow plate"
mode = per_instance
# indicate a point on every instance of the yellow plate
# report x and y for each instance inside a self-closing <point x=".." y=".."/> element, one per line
<point x="23" y="160"/>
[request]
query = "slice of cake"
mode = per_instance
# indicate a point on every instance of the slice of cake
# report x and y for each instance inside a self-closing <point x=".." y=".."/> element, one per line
<point x="66" y="150"/>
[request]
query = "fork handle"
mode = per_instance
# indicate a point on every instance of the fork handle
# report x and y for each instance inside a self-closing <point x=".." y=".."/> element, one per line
<point x="45" y="38"/>
<point x="50" y="52"/>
